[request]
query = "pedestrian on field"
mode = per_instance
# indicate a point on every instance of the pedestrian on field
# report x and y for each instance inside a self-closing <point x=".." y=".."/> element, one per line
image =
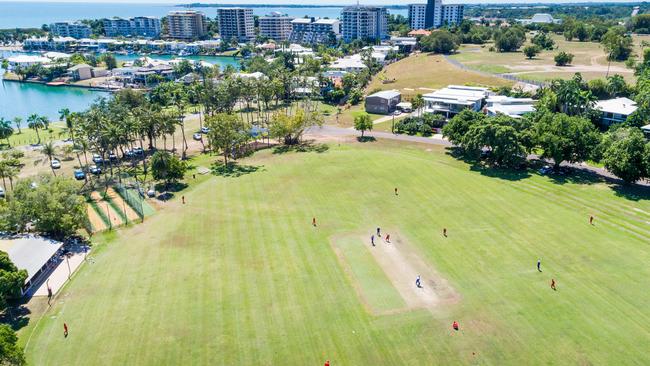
<point x="379" y="232"/>
<point x="327" y="363"/>
<point x="193" y="176"/>
<point x="372" y="240"/>
<point x="444" y="232"/>
<point x="183" y="198"/>
<point x="417" y="282"/>
<point x="65" y="330"/>
<point x="387" y="238"/>
<point x="553" y="284"/>
<point x="591" y="220"/>
<point x="313" y="221"/>
<point x="397" y="194"/>
<point x="539" y="265"/>
<point x="455" y="325"/>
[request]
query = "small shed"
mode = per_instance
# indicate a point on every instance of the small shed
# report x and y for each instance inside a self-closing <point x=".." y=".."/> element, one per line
<point x="383" y="102"/>
<point x="81" y="72"/>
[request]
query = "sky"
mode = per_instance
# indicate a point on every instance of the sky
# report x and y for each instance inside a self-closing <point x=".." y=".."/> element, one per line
<point x="320" y="2"/>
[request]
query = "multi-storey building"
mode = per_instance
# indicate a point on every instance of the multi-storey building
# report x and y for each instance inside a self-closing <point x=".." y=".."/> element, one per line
<point x="275" y="26"/>
<point x="312" y="31"/>
<point x="70" y="29"/>
<point x="187" y="24"/>
<point x="434" y="15"/>
<point x="236" y="23"/>
<point x="148" y="27"/>
<point x="364" y="22"/>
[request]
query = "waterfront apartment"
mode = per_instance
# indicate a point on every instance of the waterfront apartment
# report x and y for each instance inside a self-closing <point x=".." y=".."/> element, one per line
<point x="148" y="27"/>
<point x="364" y="22"/>
<point x="275" y="26"/>
<point x="187" y="24"/>
<point x="315" y="31"/>
<point x="70" y="29"/>
<point x="434" y="14"/>
<point x="236" y="23"/>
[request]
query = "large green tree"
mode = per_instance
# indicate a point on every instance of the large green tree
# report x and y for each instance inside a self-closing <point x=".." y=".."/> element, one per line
<point x="502" y="136"/>
<point x="440" y="41"/>
<point x="626" y="154"/>
<point x="458" y="126"/>
<point x="363" y="123"/>
<point x="565" y="138"/>
<point x="227" y="133"/>
<point x="167" y="167"/>
<point x="10" y="352"/>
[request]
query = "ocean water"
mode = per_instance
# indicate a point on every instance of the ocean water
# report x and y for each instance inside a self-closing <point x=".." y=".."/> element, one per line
<point x="20" y="14"/>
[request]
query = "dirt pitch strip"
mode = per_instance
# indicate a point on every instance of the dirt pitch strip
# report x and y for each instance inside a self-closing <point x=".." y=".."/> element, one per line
<point x="116" y="219"/>
<point x="401" y="264"/>
<point x="95" y="220"/>
<point x="131" y="215"/>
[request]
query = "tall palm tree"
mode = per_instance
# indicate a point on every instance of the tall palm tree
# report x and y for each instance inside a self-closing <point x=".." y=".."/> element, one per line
<point x="68" y="117"/>
<point x="35" y="122"/>
<point x="18" y="121"/>
<point x="5" y="130"/>
<point x="49" y="150"/>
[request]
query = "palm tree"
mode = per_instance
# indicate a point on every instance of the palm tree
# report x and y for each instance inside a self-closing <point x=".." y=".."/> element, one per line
<point x="5" y="130"/>
<point x="49" y="150"/>
<point x="18" y="121"/>
<point x="35" y="122"/>
<point x="418" y="103"/>
<point x="67" y="117"/>
<point x="8" y="171"/>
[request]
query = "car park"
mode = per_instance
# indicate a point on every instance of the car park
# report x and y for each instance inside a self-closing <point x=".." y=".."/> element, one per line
<point x="197" y="136"/>
<point x="56" y="164"/>
<point x="79" y="174"/>
<point x="94" y="169"/>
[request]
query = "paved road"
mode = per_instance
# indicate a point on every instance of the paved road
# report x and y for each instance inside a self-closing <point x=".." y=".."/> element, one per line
<point x="333" y="131"/>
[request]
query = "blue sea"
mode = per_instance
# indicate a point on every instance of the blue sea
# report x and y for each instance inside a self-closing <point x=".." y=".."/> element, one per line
<point x="23" y="14"/>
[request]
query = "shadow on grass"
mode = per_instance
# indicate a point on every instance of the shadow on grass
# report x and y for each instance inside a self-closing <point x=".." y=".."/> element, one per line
<point x="233" y="169"/>
<point x="170" y="187"/>
<point x="307" y="146"/>
<point x="632" y="192"/>
<point x="366" y="139"/>
<point x="16" y="315"/>
<point x="480" y="166"/>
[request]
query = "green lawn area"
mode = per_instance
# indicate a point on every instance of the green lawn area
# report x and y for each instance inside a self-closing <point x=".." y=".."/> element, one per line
<point x="239" y="276"/>
<point x="28" y="136"/>
<point x="589" y="59"/>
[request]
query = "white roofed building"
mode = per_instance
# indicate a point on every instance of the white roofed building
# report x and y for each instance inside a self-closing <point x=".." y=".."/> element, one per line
<point x="454" y="98"/>
<point x="511" y="107"/>
<point x="615" y="110"/>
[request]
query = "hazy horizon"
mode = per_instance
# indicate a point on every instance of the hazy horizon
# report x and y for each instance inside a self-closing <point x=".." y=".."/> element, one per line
<point x="317" y="2"/>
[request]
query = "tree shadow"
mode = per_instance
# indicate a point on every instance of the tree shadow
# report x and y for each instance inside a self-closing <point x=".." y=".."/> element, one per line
<point x="307" y="146"/>
<point x="510" y="174"/>
<point x="233" y="169"/>
<point x="170" y="187"/>
<point x="366" y="139"/>
<point x="632" y="192"/>
<point x="16" y="315"/>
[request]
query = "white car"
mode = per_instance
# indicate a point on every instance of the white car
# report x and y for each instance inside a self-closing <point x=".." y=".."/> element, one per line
<point x="197" y="136"/>
<point x="2" y="192"/>
<point x="205" y="130"/>
<point x="56" y="164"/>
<point x="397" y="112"/>
<point x="151" y="192"/>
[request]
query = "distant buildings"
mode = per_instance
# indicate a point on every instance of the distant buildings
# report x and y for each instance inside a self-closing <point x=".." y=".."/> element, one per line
<point x="275" y="26"/>
<point x="435" y="15"/>
<point x="236" y="23"/>
<point x="311" y="30"/>
<point x="540" y="19"/>
<point x="148" y="27"/>
<point x="187" y="24"/>
<point x="364" y="22"/>
<point x="70" y="29"/>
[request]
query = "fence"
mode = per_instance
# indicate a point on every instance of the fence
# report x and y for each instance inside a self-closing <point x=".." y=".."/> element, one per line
<point x="131" y="192"/>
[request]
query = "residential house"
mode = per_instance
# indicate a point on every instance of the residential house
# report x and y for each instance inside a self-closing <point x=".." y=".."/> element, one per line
<point x="383" y="102"/>
<point x="615" y="110"/>
<point x="512" y="107"/>
<point x="454" y="98"/>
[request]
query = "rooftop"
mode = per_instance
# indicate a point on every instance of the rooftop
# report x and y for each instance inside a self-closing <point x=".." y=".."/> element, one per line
<point x="29" y="252"/>
<point x="388" y="94"/>
<point x="623" y="106"/>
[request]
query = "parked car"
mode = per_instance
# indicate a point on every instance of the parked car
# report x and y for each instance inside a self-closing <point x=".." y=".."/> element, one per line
<point x="197" y="136"/>
<point x="397" y="112"/>
<point x="2" y="192"/>
<point x="138" y="150"/>
<point x="546" y="169"/>
<point x="129" y="154"/>
<point x="112" y="156"/>
<point x="151" y="193"/>
<point x="79" y="174"/>
<point x="205" y="130"/>
<point x="97" y="159"/>
<point x="56" y="164"/>
<point x="94" y="169"/>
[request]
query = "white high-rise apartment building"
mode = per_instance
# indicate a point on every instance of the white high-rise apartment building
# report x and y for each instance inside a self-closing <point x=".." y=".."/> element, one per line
<point x="187" y="24"/>
<point x="275" y="26"/>
<point x="70" y="29"/>
<point x="364" y="22"/>
<point x="434" y="15"/>
<point x="236" y="23"/>
<point x="133" y="27"/>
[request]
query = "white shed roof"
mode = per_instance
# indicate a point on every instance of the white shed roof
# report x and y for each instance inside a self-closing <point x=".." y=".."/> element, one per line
<point x="622" y="106"/>
<point x="388" y="94"/>
<point x="29" y="252"/>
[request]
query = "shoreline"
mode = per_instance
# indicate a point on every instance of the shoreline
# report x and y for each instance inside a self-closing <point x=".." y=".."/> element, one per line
<point x="62" y="84"/>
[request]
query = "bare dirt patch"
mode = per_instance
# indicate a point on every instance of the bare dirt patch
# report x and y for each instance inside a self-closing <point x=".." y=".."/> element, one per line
<point x="116" y="219"/>
<point x="131" y="215"/>
<point x="95" y="220"/>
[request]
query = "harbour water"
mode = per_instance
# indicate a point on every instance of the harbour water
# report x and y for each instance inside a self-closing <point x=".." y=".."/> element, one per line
<point x="15" y="14"/>
<point x="23" y="99"/>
